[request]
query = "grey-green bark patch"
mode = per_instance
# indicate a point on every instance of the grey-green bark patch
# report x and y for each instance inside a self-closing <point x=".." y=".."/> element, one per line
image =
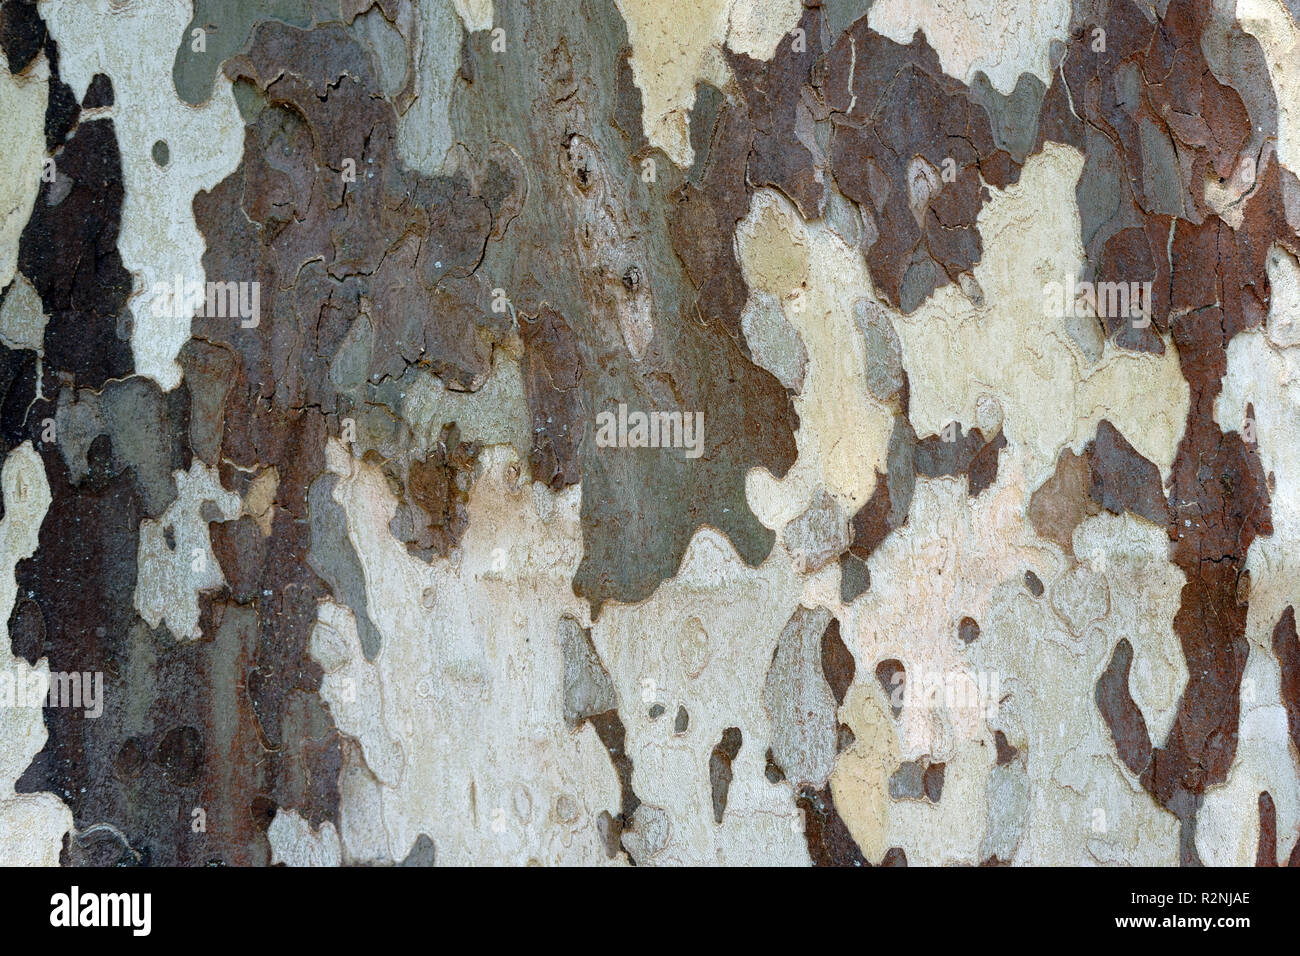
<point x="22" y="318"/>
<point x="773" y="341"/>
<point x="250" y="100"/>
<point x="884" y="351"/>
<point x="225" y="27"/>
<point x="138" y="420"/>
<point x="840" y="14"/>
<point x="424" y="133"/>
<point x="818" y="535"/>
<point x="333" y="558"/>
<point x="590" y="216"/>
<point x="588" y="689"/>
<point x="389" y="49"/>
<point x="1014" y="117"/>
<point x="800" y="701"/>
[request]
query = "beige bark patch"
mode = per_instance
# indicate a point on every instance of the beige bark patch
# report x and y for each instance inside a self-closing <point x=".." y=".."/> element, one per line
<point x="295" y="843"/>
<point x="259" y="501"/>
<point x="1279" y="37"/>
<point x="32" y="825"/>
<point x="860" y="781"/>
<point x="1001" y="39"/>
<point x="676" y="45"/>
<point x="1016" y="351"/>
<point x="469" y="679"/>
<point x="843" y="431"/>
<point x="135" y="46"/>
<point x="175" y="560"/>
<point x="22" y="128"/>
<point x="22" y="317"/>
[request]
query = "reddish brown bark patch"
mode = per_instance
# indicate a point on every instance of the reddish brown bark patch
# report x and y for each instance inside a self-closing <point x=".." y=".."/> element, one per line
<point x="552" y="379"/>
<point x="1127" y="725"/>
<point x="1286" y="648"/>
<point x="1266" y="852"/>
<point x="837" y="661"/>
<point x="913" y="149"/>
<point x="1122" y="480"/>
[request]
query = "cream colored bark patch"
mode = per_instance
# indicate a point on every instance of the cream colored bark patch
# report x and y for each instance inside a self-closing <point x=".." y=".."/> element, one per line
<point x="424" y="130"/>
<point x="1013" y="349"/>
<point x="676" y="45"/>
<point x="1227" y="826"/>
<point x="843" y="432"/>
<point x="22" y="128"/>
<point x="704" y="643"/>
<point x="175" y="560"/>
<point x="295" y="843"/>
<point x="134" y="45"/>
<point x="471" y="675"/>
<point x="469" y="679"/>
<point x="1030" y="673"/>
<point x="1279" y="37"/>
<point x="1265" y="380"/>
<point x="22" y="317"/>
<point x="32" y="825"/>
<point x="1283" y="323"/>
<point x="475" y="14"/>
<point x="949" y="561"/>
<point x="1143" y="590"/>
<point x="352" y="688"/>
<point x="756" y="27"/>
<point x="1002" y="39"/>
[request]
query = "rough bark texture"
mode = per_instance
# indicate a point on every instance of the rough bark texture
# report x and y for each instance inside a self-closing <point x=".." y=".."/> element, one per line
<point x="628" y="432"/>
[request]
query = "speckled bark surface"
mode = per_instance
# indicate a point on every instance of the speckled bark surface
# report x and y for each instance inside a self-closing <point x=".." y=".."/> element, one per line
<point x="606" y="432"/>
